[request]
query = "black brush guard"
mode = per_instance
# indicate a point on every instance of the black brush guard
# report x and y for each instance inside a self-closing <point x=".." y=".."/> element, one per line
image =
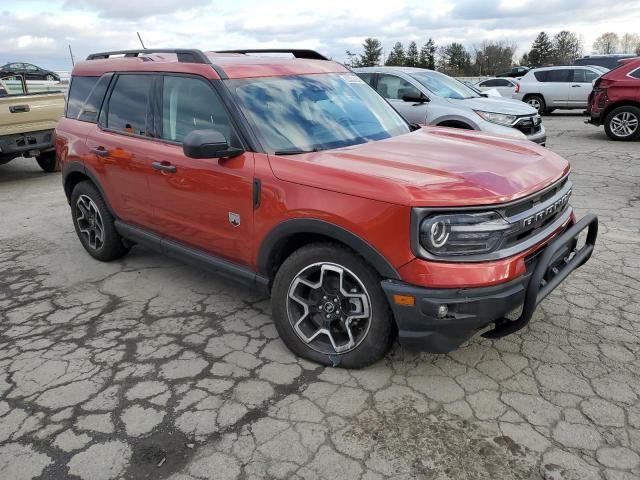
<point x="559" y="259"/>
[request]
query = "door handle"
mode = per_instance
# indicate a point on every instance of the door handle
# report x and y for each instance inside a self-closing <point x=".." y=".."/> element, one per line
<point x="576" y="86"/>
<point x="19" y="108"/>
<point x="164" y="167"/>
<point x="100" y="151"/>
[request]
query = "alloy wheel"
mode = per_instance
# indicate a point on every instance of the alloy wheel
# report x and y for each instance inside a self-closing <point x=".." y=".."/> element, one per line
<point x="329" y="308"/>
<point x="624" y="124"/>
<point x="535" y="103"/>
<point x="90" y="221"/>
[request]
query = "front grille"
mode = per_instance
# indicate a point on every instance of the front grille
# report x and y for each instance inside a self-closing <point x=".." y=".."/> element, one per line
<point x="536" y="213"/>
<point x="529" y="125"/>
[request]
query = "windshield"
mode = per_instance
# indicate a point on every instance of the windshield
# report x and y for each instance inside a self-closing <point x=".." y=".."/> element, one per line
<point x="315" y="112"/>
<point x="444" y="86"/>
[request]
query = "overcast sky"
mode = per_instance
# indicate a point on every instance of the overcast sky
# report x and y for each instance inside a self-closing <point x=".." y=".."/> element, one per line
<point x="39" y="31"/>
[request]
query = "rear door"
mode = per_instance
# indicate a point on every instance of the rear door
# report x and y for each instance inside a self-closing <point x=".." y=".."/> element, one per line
<point x="555" y="86"/>
<point x="581" y="86"/>
<point x="119" y="147"/>
<point x="206" y="203"/>
<point x="393" y="88"/>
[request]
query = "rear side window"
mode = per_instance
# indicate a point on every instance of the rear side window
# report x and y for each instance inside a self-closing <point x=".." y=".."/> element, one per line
<point x="489" y="83"/>
<point x="635" y="73"/>
<point x="128" y="104"/>
<point x="91" y="106"/>
<point x="560" y="76"/>
<point x="541" y="76"/>
<point x="78" y="92"/>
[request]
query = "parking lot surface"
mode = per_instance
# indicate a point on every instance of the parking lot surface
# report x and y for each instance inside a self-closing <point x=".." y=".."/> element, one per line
<point x="147" y="368"/>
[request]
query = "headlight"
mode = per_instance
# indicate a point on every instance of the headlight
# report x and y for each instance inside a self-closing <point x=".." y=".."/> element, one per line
<point x="499" y="118"/>
<point x="463" y="234"/>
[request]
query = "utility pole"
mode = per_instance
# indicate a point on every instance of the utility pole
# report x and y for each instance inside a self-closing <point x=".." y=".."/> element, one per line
<point x="140" y="38"/>
<point x="73" y="63"/>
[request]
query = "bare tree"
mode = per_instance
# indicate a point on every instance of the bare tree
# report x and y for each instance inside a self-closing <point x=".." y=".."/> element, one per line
<point x="567" y="47"/>
<point x="606" y="43"/>
<point x="629" y="43"/>
<point x="493" y="57"/>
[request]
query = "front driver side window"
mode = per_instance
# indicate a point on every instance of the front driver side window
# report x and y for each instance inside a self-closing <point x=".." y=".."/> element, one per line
<point x="394" y="88"/>
<point x="191" y="104"/>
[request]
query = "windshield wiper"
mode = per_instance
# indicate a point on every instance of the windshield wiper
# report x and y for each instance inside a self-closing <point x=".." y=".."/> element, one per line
<point x="294" y="152"/>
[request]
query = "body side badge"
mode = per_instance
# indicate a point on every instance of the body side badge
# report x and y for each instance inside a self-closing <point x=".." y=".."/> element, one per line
<point x="234" y="219"/>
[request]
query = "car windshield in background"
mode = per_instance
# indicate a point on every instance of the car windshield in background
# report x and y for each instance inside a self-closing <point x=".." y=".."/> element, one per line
<point x="443" y="86"/>
<point x="307" y="113"/>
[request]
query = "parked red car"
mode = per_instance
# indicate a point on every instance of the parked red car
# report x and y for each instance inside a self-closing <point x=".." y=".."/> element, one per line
<point x="615" y="101"/>
<point x="294" y="176"/>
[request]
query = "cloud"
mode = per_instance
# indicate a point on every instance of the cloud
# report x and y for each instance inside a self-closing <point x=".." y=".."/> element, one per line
<point x="40" y="31"/>
<point x="132" y="10"/>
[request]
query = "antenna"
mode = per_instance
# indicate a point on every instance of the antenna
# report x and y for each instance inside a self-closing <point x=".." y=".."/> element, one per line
<point x="140" y="38"/>
<point x="73" y="63"/>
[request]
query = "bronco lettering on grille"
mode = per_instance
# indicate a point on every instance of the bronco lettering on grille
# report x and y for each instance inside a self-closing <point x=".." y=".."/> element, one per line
<point x="538" y="217"/>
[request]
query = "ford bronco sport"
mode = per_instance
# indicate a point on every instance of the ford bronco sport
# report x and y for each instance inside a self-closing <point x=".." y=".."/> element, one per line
<point x="292" y="175"/>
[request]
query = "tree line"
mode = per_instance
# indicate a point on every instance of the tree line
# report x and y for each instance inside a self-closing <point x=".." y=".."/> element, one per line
<point x="490" y="57"/>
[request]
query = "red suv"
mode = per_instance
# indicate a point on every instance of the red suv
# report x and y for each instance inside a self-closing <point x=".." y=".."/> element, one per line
<point x="292" y="175"/>
<point x="615" y="101"/>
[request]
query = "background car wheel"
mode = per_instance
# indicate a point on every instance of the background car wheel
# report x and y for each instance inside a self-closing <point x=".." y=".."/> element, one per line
<point x="623" y="123"/>
<point x="50" y="77"/>
<point x="48" y="162"/>
<point x="537" y="102"/>
<point x="328" y="307"/>
<point x="94" y="224"/>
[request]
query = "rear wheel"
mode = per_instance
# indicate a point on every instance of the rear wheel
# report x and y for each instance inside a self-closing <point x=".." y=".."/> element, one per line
<point x="623" y="123"/>
<point x="537" y="102"/>
<point x="328" y="307"/>
<point x="94" y="224"/>
<point x="48" y="162"/>
<point x="50" y="77"/>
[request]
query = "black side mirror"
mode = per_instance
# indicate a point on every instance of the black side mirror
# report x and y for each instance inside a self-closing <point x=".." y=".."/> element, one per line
<point x="417" y="97"/>
<point x="208" y="144"/>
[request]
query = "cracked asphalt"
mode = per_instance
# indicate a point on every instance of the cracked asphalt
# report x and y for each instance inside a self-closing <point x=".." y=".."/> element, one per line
<point x="149" y="369"/>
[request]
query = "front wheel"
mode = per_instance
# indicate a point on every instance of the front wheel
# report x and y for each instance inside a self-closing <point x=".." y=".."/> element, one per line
<point x="328" y="307"/>
<point x="50" y="77"/>
<point x="623" y="123"/>
<point x="48" y="162"/>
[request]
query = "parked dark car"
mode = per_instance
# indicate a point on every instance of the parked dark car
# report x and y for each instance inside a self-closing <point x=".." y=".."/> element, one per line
<point x="30" y="71"/>
<point x="606" y="61"/>
<point x="515" y="72"/>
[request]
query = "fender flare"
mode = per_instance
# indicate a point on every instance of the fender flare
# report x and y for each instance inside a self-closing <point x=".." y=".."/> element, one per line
<point x="281" y="232"/>
<point x="79" y="167"/>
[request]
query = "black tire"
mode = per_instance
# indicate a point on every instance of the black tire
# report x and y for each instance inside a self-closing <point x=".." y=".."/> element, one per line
<point x="615" y="131"/>
<point x="536" y="101"/>
<point x="50" y="77"/>
<point x="48" y="162"/>
<point x="112" y="246"/>
<point x="372" y="343"/>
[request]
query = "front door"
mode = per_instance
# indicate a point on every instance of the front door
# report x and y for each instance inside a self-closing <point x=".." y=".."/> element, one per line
<point x="581" y="87"/>
<point x="206" y="203"/>
<point x="393" y="88"/>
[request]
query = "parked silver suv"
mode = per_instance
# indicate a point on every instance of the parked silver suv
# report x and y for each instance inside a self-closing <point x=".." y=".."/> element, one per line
<point x="548" y="88"/>
<point x="432" y="98"/>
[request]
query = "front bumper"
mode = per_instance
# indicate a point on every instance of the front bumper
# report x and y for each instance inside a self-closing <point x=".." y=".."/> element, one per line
<point x="469" y="310"/>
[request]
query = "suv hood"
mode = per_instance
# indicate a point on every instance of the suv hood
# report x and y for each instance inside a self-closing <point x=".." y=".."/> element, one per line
<point x="497" y="105"/>
<point x="431" y="167"/>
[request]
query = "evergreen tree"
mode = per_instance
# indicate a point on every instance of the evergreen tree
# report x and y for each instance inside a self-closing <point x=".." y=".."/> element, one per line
<point x="428" y="55"/>
<point x="524" y="60"/>
<point x="396" y="57"/>
<point x="412" y="59"/>
<point x="454" y="59"/>
<point x="541" y="52"/>
<point x="372" y="52"/>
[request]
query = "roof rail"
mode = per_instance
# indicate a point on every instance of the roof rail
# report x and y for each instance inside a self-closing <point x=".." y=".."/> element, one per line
<point x="296" y="52"/>
<point x="184" y="55"/>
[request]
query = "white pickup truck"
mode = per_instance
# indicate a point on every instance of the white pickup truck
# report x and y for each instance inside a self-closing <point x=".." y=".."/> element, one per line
<point x="27" y="122"/>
